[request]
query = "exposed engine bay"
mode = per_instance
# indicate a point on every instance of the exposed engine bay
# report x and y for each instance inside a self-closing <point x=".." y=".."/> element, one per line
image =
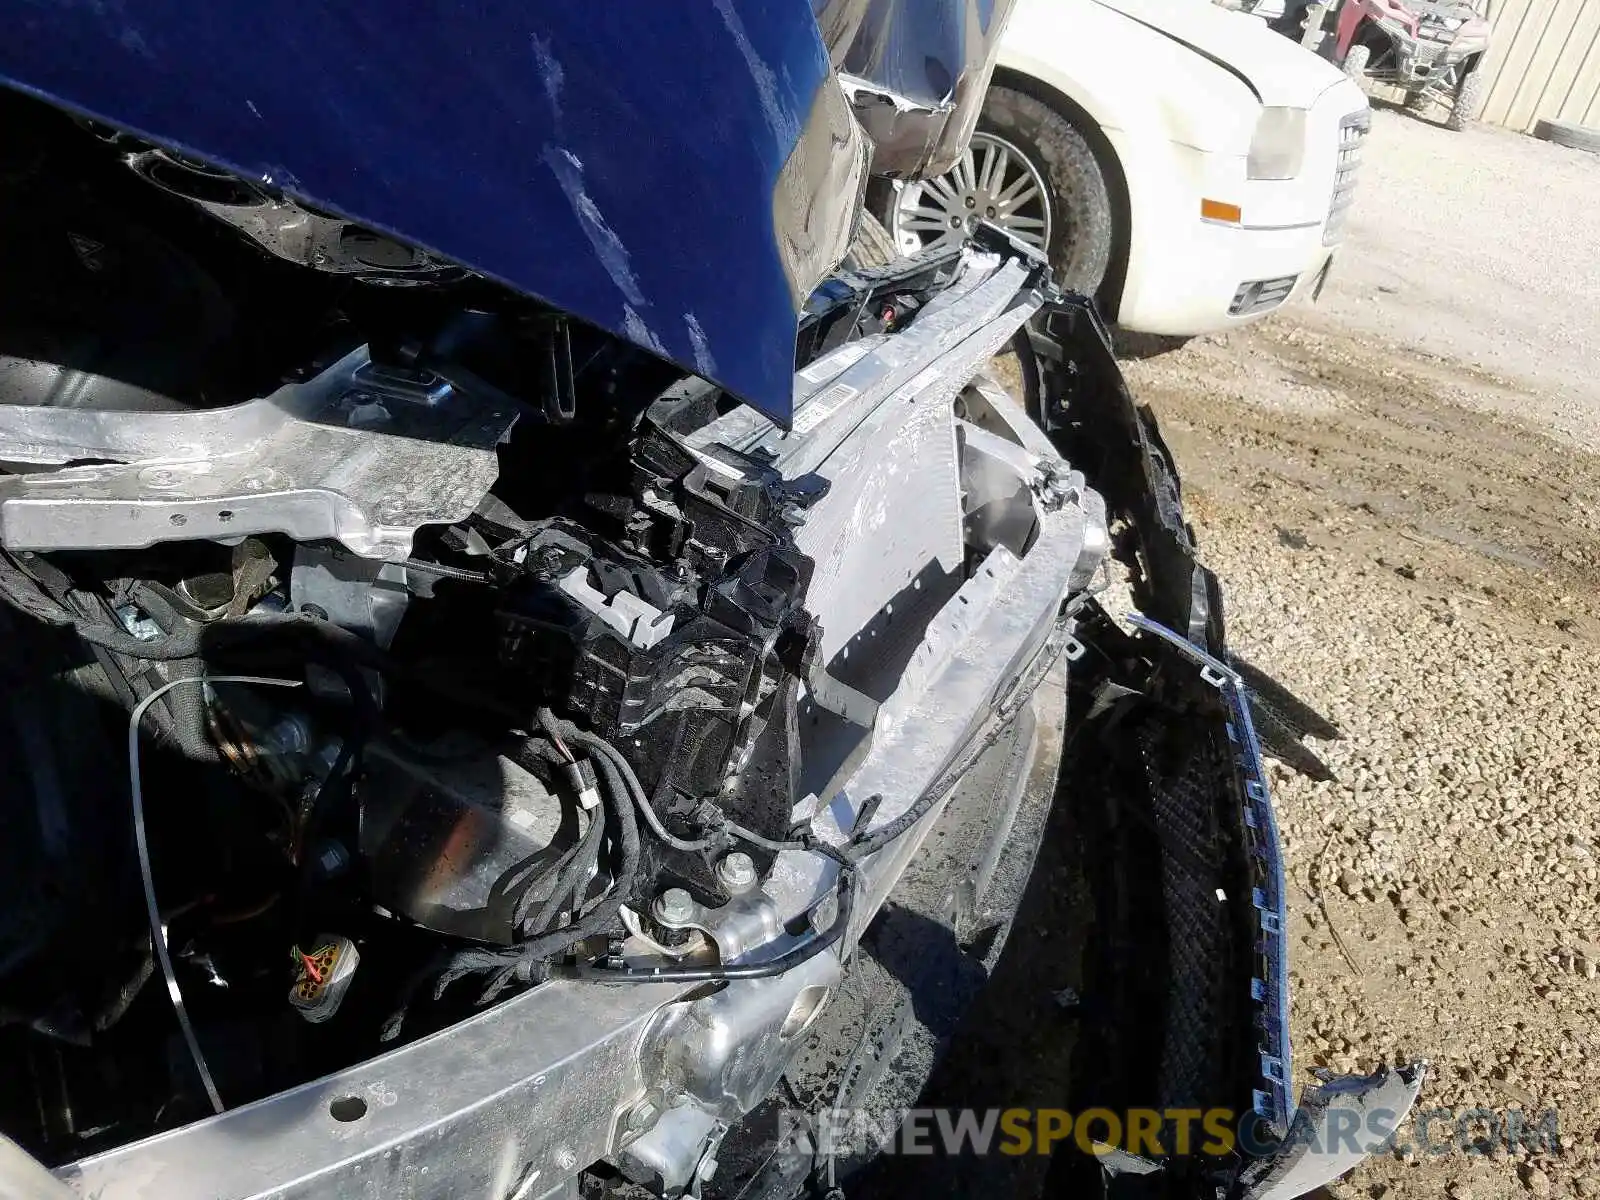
<point x="434" y="726"/>
<point x="561" y="647"/>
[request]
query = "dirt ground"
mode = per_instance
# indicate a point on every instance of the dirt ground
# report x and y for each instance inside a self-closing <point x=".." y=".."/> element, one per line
<point x="1400" y="492"/>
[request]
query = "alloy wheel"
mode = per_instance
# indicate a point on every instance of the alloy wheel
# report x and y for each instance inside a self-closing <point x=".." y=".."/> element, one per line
<point x="992" y="181"/>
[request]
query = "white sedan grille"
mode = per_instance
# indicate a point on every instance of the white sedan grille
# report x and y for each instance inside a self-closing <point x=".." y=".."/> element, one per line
<point x="1261" y="295"/>
<point x="1352" y="132"/>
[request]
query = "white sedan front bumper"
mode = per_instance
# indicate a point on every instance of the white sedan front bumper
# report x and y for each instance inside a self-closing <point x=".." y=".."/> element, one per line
<point x="1187" y="274"/>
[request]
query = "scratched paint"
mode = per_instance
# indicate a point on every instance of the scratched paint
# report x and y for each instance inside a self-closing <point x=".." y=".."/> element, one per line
<point x="780" y="118"/>
<point x="608" y="247"/>
<point x="703" y="362"/>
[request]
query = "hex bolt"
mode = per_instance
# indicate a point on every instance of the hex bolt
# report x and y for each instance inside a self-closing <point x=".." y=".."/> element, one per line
<point x="737" y="872"/>
<point x="643" y="1116"/>
<point x="675" y="907"/>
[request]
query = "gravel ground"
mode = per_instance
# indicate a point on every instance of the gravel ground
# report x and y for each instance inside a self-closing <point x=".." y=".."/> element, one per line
<point x="1408" y="530"/>
<point x="1481" y="247"/>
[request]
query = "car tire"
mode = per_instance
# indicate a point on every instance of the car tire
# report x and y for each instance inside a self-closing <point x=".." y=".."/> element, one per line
<point x="873" y="246"/>
<point x="1470" y="93"/>
<point x="1355" y="62"/>
<point x="1083" y="226"/>
<point x="1566" y="133"/>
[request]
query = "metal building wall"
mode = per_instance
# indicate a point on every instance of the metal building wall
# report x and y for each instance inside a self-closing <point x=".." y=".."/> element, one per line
<point x="1544" y="61"/>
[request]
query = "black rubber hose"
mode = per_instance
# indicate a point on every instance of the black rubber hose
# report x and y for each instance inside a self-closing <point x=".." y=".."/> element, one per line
<point x="636" y="790"/>
<point x="522" y="962"/>
<point x="572" y="871"/>
<point x="610" y="762"/>
<point x="525" y="925"/>
<point x="626" y="833"/>
<point x="534" y="755"/>
<point x="555" y="729"/>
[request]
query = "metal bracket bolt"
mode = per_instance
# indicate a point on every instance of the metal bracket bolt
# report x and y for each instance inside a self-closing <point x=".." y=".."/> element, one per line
<point x="639" y="1119"/>
<point x="737" y="872"/>
<point x="675" y="906"/>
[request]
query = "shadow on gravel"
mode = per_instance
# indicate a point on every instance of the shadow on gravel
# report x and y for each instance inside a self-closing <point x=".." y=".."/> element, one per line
<point x="1015" y="1046"/>
<point x="1283" y="721"/>
<point x="1127" y="344"/>
<point x="1418" y="114"/>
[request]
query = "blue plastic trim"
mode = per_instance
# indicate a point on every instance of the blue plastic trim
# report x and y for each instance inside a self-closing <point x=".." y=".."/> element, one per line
<point x="1274" y="1102"/>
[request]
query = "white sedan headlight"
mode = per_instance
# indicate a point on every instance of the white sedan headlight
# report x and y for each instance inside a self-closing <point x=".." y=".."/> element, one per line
<point x="1279" y="146"/>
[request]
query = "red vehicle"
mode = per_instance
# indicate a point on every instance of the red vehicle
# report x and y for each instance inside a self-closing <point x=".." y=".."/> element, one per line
<point x="1433" y="49"/>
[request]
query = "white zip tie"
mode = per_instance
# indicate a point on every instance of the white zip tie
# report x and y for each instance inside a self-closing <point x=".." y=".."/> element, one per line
<point x="158" y="930"/>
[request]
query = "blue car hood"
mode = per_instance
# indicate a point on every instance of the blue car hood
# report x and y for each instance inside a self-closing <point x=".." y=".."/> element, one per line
<point x="681" y="174"/>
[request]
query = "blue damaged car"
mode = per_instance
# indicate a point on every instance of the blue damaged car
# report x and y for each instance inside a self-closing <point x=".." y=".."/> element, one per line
<point x="503" y="589"/>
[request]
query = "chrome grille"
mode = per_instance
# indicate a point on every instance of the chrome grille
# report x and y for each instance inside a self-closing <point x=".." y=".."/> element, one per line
<point x="1260" y="295"/>
<point x="1352" y="132"/>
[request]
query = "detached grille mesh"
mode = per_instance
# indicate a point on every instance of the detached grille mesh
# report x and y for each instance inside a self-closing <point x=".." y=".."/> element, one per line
<point x="1352" y="133"/>
<point x="1185" y="791"/>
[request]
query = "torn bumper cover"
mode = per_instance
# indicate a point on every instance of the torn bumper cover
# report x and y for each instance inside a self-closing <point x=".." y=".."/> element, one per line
<point x="1176" y="791"/>
<point x="1338" y="1124"/>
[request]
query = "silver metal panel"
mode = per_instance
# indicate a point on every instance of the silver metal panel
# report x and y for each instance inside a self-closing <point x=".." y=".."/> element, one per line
<point x="866" y="550"/>
<point x="359" y="454"/>
<point x="506" y="1103"/>
<point x="835" y="393"/>
<point x="875" y="420"/>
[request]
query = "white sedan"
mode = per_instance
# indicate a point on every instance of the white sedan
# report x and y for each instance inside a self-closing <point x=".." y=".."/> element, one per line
<point x="1181" y="162"/>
